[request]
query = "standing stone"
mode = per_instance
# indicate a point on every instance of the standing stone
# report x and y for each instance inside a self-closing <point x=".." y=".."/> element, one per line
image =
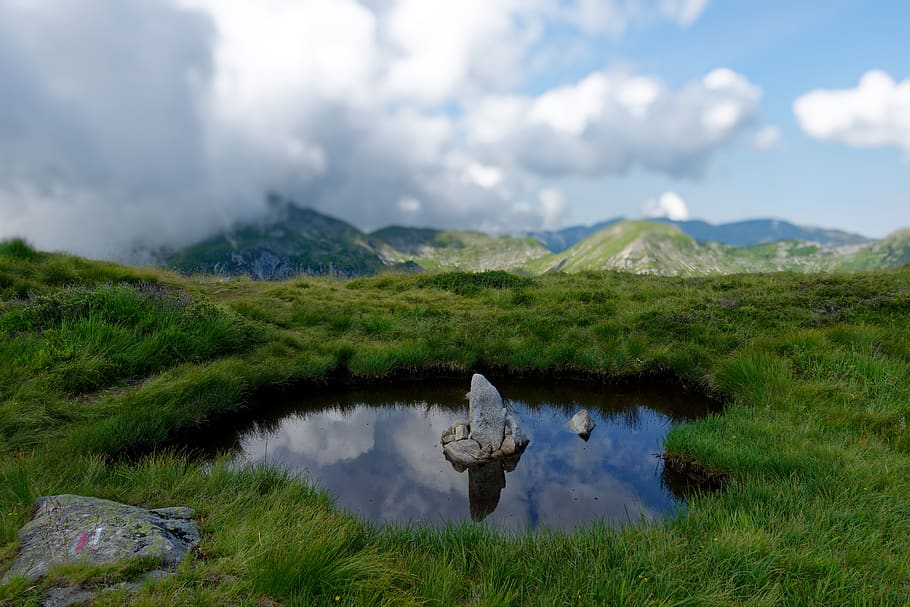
<point x="487" y="414"/>
<point x="582" y="424"/>
<point x="76" y="529"/>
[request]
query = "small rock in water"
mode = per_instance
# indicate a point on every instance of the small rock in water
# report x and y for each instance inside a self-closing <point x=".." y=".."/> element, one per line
<point x="582" y="423"/>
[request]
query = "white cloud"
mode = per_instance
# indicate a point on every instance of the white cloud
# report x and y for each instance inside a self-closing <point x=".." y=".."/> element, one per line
<point x="485" y="176"/>
<point x="684" y="12"/>
<point x="409" y="205"/>
<point x="553" y="208"/>
<point x="569" y="109"/>
<point x="612" y="120"/>
<point x="766" y="138"/>
<point x="614" y="17"/>
<point x="668" y="204"/>
<point x="875" y="113"/>
<point x="439" y="48"/>
<point x="157" y="122"/>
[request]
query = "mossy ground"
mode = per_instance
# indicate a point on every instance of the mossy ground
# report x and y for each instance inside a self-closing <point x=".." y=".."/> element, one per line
<point x="100" y="360"/>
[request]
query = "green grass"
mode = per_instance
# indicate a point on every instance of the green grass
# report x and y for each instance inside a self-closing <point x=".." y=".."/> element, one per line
<point x="813" y="441"/>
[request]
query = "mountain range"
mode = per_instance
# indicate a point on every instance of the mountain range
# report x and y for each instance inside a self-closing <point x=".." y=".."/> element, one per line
<point x="291" y="241"/>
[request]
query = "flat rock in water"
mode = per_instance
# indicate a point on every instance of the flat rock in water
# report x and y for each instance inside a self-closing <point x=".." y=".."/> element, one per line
<point x="486" y="412"/>
<point x="76" y="529"/>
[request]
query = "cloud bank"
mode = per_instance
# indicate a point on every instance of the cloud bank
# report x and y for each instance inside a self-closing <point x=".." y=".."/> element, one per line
<point x="875" y="113"/>
<point x="155" y="122"/>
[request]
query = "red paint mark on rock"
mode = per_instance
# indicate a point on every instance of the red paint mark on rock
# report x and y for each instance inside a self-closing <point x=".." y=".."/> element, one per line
<point x="80" y="543"/>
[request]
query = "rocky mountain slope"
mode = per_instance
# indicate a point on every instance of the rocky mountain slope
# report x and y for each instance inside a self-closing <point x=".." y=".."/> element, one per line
<point x="455" y="250"/>
<point x="289" y="241"/>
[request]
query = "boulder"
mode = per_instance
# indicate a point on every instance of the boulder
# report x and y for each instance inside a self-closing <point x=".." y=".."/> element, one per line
<point x="487" y="413"/>
<point x="508" y="446"/>
<point x="513" y="429"/>
<point x="582" y="423"/>
<point x="76" y="529"/>
<point x="465" y="452"/>
<point x="457" y="431"/>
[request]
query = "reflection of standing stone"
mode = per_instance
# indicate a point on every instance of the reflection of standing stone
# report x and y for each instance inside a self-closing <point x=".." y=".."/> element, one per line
<point x="485" y="482"/>
<point x="487" y="414"/>
<point x="582" y="423"/>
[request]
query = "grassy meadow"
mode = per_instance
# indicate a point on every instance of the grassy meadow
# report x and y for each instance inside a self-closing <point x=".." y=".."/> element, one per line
<point x="103" y="366"/>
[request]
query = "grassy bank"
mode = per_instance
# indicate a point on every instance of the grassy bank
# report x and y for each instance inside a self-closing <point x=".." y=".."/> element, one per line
<point x="100" y="360"/>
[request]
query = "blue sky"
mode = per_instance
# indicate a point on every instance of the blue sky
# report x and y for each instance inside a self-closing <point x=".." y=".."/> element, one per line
<point x="148" y="123"/>
<point x="788" y="49"/>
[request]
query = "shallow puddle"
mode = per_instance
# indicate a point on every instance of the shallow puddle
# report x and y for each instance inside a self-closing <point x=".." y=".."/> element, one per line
<point x="377" y="451"/>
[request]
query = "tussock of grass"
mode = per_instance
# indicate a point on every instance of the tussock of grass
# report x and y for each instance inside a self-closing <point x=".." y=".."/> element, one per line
<point x="813" y="442"/>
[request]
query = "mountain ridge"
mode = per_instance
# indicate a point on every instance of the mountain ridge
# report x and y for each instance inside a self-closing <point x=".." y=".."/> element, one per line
<point x="292" y="240"/>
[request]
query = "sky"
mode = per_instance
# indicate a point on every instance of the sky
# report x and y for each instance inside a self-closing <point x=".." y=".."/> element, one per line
<point x="138" y="124"/>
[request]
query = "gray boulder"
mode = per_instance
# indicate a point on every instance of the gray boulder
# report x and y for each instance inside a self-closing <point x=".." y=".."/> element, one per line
<point x="457" y="431"/>
<point x="513" y="429"/>
<point x="487" y="413"/>
<point x="465" y="452"/>
<point x="582" y="423"/>
<point x="76" y="529"/>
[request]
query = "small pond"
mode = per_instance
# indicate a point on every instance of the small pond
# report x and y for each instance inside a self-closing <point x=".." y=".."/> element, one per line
<point x="377" y="451"/>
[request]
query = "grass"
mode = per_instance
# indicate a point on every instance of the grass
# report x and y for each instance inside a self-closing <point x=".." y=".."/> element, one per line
<point x="814" y="442"/>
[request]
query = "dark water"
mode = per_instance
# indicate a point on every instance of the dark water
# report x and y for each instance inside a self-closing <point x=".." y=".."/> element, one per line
<point x="377" y="451"/>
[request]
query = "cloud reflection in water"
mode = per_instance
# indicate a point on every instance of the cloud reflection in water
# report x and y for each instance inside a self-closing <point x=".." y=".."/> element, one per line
<point x="386" y="464"/>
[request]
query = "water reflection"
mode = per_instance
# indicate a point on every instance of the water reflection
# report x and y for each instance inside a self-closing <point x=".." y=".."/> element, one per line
<point x="485" y="483"/>
<point x="378" y="453"/>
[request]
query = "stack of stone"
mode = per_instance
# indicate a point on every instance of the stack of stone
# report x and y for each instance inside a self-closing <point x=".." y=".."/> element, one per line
<point x="493" y="431"/>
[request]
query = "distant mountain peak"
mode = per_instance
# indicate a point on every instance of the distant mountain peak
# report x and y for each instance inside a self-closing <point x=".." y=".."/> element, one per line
<point x="740" y="233"/>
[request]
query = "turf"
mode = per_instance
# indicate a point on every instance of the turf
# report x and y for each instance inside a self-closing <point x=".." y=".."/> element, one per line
<point x="103" y="366"/>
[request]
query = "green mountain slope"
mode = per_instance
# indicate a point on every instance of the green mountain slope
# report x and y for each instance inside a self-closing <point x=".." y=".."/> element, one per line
<point x="641" y="247"/>
<point x="455" y="250"/>
<point x="289" y="242"/>
<point x="893" y="251"/>
<point x="657" y="248"/>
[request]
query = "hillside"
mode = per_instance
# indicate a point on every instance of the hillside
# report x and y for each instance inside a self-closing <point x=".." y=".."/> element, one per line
<point x="738" y="234"/>
<point x="455" y="250"/>
<point x="761" y="231"/>
<point x="663" y="249"/>
<point x="893" y="251"/>
<point x="640" y="247"/>
<point x="290" y="241"/>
